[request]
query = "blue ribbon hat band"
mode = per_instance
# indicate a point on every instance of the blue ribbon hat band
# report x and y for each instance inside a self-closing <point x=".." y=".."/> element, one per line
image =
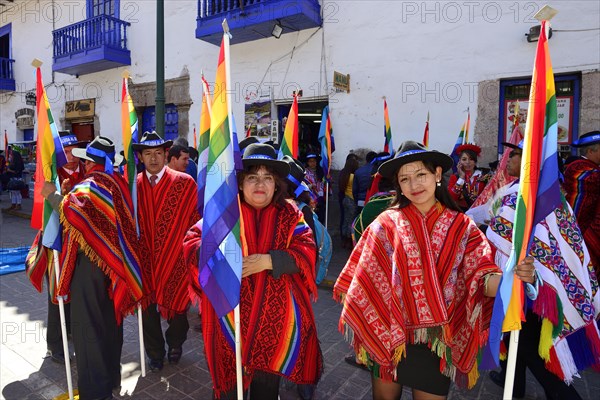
<point x="68" y="140"/>
<point x="108" y="158"/>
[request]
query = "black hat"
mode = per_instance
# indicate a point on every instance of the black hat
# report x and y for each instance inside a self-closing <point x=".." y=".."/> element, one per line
<point x="297" y="173"/>
<point x="513" y="146"/>
<point x="247" y="142"/>
<point x="411" y="151"/>
<point x="587" y="139"/>
<point x="67" y="138"/>
<point x="193" y="152"/>
<point x="120" y="160"/>
<point x="380" y="158"/>
<point x="263" y="154"/>
<point x="312" y="154"/>
<point x="101" y="150"/>
<point x="151" y="140"/>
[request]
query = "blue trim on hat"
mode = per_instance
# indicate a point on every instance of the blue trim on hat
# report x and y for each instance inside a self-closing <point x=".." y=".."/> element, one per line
<point x="410" y="152"/>
<point x="293" y="180"/>
<point x="108" y="158"/>
<point x="68" y="140"/>
<point x="152" y="142"/>
<point x="259" y="157"/>
<point x="379" y="159"/>
<point x="587" y="140"/>
<point x="311" y="155"/>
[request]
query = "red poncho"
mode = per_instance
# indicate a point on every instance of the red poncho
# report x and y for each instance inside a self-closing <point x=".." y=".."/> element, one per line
<point x="165" y="213"/>
<point x="277" y="322"/>
<point x="418" y="279"/>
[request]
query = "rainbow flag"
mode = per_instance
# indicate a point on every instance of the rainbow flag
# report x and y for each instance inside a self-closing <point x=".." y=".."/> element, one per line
<point x="129" y="129"/>
<point x="203" y="143"/>
<point x="289" y="144"/>
<point x="426" y="133"/>
<point x="220" y="261"/>
<point x="460" y="140"/>
<point x="50" y="156"/>
<point x="387" y="130"/>
<point x="327" y="143"/>
<point x="539" y="189"/>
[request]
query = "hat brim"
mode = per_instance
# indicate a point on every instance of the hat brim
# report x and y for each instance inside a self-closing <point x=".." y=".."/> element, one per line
<point x="142" y="147"/>
<point x="280" y="167"/>
<point x="390" y="167"/>
<point x="512" y="146"/>
<point x="81" y="154"/>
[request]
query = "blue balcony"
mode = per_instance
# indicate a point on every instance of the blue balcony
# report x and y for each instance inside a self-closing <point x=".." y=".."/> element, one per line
<point x="254" y="19"/>
<point x="7" y="79"/>
<point x="92" y="45"/>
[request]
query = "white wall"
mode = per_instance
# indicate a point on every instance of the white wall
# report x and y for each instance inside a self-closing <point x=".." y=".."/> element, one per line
<point x="424" y="56"/>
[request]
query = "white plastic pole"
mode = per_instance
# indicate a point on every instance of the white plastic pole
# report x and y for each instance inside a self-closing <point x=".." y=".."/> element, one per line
<point x="63" y="328"/>
<point x="141" y="335"/>
<point x="511" y="364"/>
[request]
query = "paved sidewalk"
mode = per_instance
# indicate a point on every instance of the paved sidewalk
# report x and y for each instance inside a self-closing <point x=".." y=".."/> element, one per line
<point x="25" y="374"/>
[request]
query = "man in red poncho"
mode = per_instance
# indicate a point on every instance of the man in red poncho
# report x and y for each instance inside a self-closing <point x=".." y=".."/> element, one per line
<point x="166" y="210"/>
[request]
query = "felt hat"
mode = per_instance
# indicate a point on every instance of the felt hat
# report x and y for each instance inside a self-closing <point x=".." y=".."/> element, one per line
<point x="67" y="138"/>
<point x="151" y="140"/>
<point x="587" y="139"/>
<point x="296" y="176"/>
<point x="101" y="150"/>
<point x="411" y="151"/>
<point x="263" y="154"/>
<point x="247" y="142"/>
<point x="513" y="146"/>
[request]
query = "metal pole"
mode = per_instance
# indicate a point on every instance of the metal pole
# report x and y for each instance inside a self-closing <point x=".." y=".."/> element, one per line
<point x="160" y="68"/>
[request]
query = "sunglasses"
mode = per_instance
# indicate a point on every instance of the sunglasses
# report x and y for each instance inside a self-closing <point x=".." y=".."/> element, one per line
<point x="515" y="153"/>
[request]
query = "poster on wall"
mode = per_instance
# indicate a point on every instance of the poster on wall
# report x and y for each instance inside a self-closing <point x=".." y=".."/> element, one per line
<point x="564" y="106"/>
<point x="258" y="119"/>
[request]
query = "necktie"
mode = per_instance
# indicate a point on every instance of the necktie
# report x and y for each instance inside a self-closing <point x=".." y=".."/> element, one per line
<point x="153" y="179"/>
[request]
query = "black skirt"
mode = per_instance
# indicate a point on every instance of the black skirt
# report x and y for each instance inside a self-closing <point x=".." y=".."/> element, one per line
<point x="420" y="370"/>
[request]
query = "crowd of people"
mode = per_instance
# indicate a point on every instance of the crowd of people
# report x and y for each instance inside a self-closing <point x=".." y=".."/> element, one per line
<point x="417" y="291"/>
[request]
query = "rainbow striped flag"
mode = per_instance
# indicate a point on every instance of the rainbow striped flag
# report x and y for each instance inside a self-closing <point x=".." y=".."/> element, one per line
<point x="289" y="144"/>
<point x="220" y="261"/>
<point x="426" y="133"/>
<point x="50" y="156"/>
<point x="539" y="189"/>
<point x="387" y="130"/>
<point x="203" y="143"/>
<point x="129" y="129"/>
<point x="327" y="143"/>
<point x="460" y="140"/>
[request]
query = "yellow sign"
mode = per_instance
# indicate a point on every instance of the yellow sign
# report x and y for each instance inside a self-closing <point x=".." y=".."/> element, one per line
<point x="79" y="109"/>
<point x="341" y="81"/>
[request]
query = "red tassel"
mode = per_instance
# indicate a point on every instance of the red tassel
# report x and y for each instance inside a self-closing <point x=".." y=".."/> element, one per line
<point x="554" y="365"/>
<point x="594" y="342"/>
<point x="545" y="305"/>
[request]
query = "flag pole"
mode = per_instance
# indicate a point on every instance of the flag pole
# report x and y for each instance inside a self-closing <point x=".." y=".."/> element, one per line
<point x="326" y="203"/>
<point x="236" y="310"/>
<point x="545" y="13"/>
<point x="63" y="328"/>
<point x="141" y="336"/>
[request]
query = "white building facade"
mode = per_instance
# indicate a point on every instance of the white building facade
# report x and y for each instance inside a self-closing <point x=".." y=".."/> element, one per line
<point x="436" y="57"/>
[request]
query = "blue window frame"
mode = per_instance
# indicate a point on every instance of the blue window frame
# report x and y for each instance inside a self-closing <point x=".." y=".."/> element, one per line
<point x="568" y="94"/>
<point x="102" y="7"/>
<point x="171" y="121"/>
<point x="6" y="62"/>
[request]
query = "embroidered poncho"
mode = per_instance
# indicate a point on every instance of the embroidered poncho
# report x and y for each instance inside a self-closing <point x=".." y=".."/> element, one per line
<point x="166" y="212"/>
<point x="278" y="326"/>
<point x="582" y="184"/>
<point x="416" y="278"/>
<point x="467" y="193"/>
<point x="568" y="299"/>
<point x="97" y="218"/>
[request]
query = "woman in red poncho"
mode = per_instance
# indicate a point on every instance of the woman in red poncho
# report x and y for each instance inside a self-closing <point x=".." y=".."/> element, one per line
<point x="278" y="332"/>
<point x="468" y="181"/>
<point x="417" y="285"/>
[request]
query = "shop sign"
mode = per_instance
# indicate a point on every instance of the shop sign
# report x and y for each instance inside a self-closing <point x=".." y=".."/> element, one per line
<point x="79" y="109"/>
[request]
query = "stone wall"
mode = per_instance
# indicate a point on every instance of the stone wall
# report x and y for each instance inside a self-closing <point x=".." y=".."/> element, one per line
<point x="486" y="126"/>
<point x="589" y="112"/>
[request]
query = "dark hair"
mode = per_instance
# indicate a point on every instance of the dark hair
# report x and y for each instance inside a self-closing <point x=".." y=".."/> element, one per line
<point x="472" y="155"/>
<point x="370" y="156"/>
<point x="281" y="187"/>
<point x="175" y="151"/>
<point x="441" y="192"/>
<point x="351" y="163"/>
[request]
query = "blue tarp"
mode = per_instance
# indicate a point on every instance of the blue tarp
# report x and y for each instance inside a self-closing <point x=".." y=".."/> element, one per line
<point x="13" y="260"/>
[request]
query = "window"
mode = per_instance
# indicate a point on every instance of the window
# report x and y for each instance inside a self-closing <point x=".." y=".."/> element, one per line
<point x="6" y="71"/>
<point x="102" y="7"/>
<point x="568" y="89"/>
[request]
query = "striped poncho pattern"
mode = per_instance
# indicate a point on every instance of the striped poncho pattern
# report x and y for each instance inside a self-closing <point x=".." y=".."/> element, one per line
<point x="416" y="278"/>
